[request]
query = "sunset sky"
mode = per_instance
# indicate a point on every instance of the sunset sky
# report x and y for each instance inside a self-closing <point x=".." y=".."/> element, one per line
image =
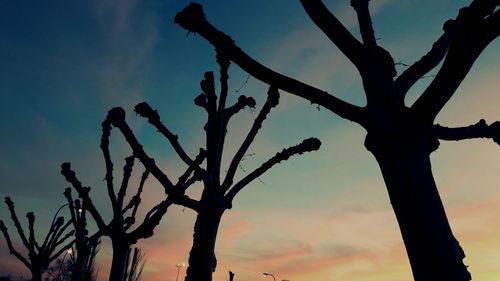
<point x="321" y="216"/>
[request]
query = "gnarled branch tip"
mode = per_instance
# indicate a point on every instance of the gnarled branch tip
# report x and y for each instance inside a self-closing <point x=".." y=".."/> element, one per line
<point x="116" y="115"/>
<point x="248" y="101"/>
<point x="145" y="110"/>
<point x="310" y="144"/>
<point x="190" y="17"/>
<point x="273" y="96"/>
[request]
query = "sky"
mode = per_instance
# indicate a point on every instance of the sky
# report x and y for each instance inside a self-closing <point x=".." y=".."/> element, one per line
<point x="320" y="216"/>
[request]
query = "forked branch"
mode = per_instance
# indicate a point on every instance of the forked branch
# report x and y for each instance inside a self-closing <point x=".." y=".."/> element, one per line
<point x="116" y="117"/>
<point x="145" y="110"/>
<point x="193" y="19"/>
<point x="83" y="192"/>
<point x="425" y="64"/>
<point x="334" y="29"/>
<point x="477" y="26"/>
<point x="15" y="220"/>
<point x="12" y="250"/>
<point x="272" y="101"/>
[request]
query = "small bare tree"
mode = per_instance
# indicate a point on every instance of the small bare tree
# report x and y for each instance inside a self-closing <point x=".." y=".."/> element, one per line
<point x="39" y="256"/>
<point x="124" y="215"/>
<point x="218" y="193"/>
<point x="63" y="269"/>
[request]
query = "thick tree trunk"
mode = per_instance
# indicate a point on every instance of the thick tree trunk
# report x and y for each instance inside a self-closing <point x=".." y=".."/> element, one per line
<point x="202" y="260"/>
<point x="120" y="251"/>
<point x="433" y="251"/>
<point x="36" y="274"/>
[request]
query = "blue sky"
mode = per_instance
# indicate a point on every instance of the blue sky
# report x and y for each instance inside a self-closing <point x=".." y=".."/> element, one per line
<point x="65" y="63"/>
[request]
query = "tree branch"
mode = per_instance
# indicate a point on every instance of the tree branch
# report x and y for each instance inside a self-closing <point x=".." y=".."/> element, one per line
<point x="212" y="126"/>
<point x="223" y="62"/>
<point x="11" y="247"/>
<point x="334" y="30"/>
<point x="69" y="198"/>
<point x="425" y="64"/>
<point x="14" y="218"/>
<point x="243" y="101"/>
<point x="193" y="19"/>
<point x="151" y="220"/>
<point x="135" y="201"/>
<point x="307" y="145"/>
<point x="478" y="130"/>
<point x="59" y="229"/>
<point x="221" y="121"/>
<point x="208" y="87"/>
<point x="272" y="101"/>
<point x="477" y="26"/>
<point x="183" y="181"/>
<point x="106" y="131"/>
<point x="58" y="240"/>
<point x="116" y="117"/>
<point x="63" y="249"/>
<point x="31" y="223"/>
<point x="188" y="202"/>
<point x="365" y="21"/>
<point x="127" y="173"/>
<point x="145" y="110"/>
<point x="83" y="192"/>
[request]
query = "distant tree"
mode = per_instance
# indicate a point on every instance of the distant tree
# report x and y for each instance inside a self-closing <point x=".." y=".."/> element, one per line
<point x="400" y="137"/>
<point x="61" y="270"/>
<point x="64" y="268"/>
<point x="124" y="215"/>
<point x="218" y="193"/>
<point x="39" y="256"/>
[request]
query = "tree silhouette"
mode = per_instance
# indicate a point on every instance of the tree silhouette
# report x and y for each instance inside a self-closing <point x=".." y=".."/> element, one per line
<point x="124" y="215"/>
<point x="65" y="267"/>
<point x="218" y="194"/>
<point x="39" y="256"/>
<point x="61" y="270"/>
<point x="400" y="137"/>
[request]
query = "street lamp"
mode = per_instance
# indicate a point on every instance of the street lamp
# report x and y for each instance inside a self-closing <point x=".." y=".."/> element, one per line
<point x="269" y="274"/>
<point x="179" y="269"/>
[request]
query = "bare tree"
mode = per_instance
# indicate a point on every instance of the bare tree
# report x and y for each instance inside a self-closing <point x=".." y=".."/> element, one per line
<point x="61" y="270"/>
<point x="39" y="256"/>
<point x="65" y="267"/>
<point x="400" y="137"/>
<point x="218" y="193"/>
<point x="124" y="215"/>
